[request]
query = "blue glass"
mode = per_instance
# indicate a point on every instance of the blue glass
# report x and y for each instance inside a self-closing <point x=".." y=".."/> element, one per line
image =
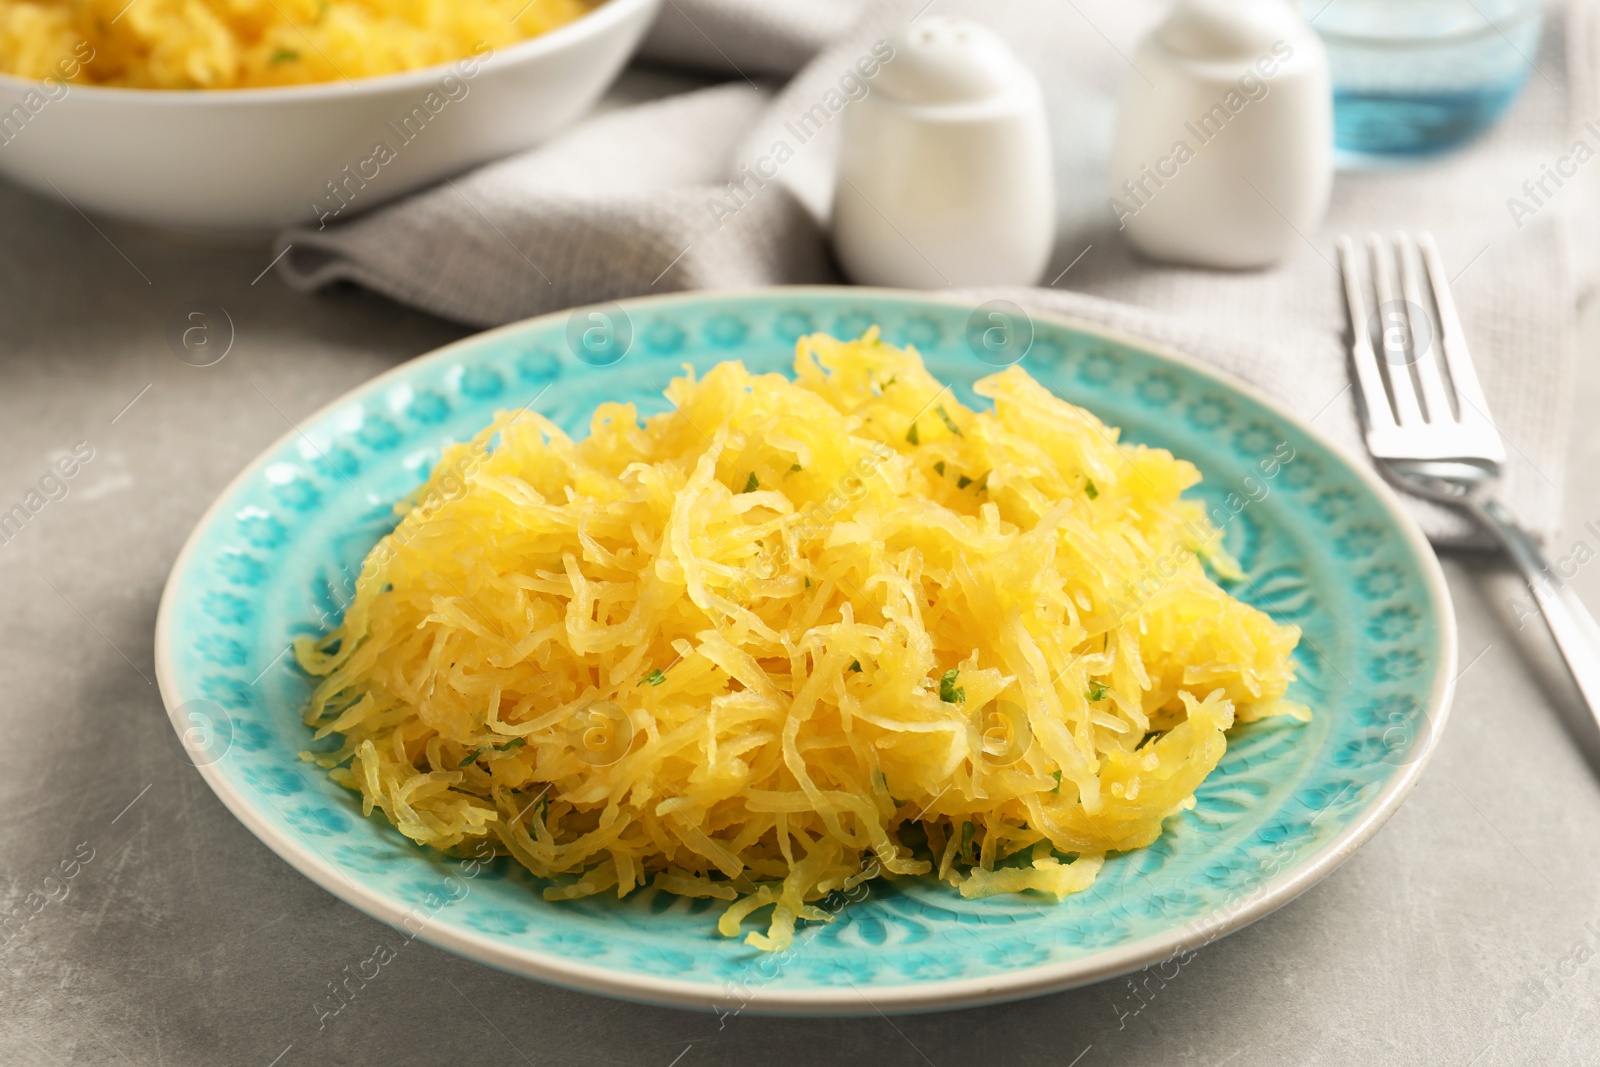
<point x="1414" y="77"/>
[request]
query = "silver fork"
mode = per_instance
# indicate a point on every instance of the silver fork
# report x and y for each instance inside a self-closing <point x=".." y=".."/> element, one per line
<point x="1428" y="427"/>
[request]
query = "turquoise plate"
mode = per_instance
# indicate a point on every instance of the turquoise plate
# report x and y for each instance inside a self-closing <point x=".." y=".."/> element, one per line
<point x="1324" y="543"/>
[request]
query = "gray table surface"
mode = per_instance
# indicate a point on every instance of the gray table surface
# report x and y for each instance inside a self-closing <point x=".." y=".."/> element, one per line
<point x="1465" y="933"/>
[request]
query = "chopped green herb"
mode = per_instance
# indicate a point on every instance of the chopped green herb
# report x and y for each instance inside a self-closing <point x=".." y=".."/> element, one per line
<point x="963" y="481"/>
<point x="752" y="485"/>
<point x="948" y="421"/>
<point x="949" y="691"/>
<point x="542" y="808"/>
<point x="655" y="677"/>
<point x="514" y="743"/>
<point x="1089" y="490"/>
<point x="939" y="466"/>
<point x="284" y="55"/>
<point x="1057" y="776"/>
<point x="855" y="665"/>
<point x="1097" y="691"/>
<point x="911" y="434"/>
<point x="967" y="831"/>
<point x="808" y="583"/>
<point x="793" y="467"/>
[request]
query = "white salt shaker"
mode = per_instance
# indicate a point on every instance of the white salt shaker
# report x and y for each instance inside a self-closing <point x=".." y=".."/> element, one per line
<point x="1224" y="146"/>
<point x="945" y="174"/>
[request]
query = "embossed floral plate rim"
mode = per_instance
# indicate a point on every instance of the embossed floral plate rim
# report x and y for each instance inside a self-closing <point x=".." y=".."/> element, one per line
<point x="925" y="995"/>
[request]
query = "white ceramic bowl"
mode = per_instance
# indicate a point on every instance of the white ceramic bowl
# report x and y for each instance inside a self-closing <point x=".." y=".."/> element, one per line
<point x="244" y="161"/>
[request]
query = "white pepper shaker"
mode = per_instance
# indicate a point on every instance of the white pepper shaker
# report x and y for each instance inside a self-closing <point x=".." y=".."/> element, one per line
<point x="1224" y="146"/>
<point x="945" y="174"/>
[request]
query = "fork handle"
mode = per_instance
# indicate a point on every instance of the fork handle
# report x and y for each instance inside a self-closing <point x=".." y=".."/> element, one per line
<point x="1570" y="623"/>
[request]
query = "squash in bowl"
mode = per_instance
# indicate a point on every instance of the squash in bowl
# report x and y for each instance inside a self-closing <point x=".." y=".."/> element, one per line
<point x="249" y="160"/>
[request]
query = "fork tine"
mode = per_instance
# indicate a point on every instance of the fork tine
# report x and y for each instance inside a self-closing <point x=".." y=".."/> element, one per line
<point x="1374" y="400"/>
<point x="1396" y="361"/>
<point x="1451" y="337"/>
<point x="1434" y="394"/>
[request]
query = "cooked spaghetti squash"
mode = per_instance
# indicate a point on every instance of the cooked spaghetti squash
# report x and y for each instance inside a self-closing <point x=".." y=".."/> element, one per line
<point x="794" y="636"/>
<point x="237" y="44"/>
